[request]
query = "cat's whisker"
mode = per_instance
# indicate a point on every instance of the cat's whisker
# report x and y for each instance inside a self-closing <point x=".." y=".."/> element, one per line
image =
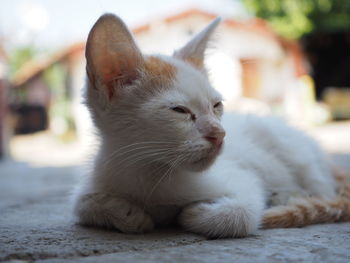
<point x="153" y="189"/>
<point x="167" y="157"/>
<point x="129" y="151"/>
<point x="177" y="164"/>
<point x="143" y="145"/>
<point x="121" y="151"/>
<point x="163" y="156"/>
<point x="165" y="164"/>
<point x="146" y="143"/>
<point x="169" y="171"/>
<point x="143" y="155"/>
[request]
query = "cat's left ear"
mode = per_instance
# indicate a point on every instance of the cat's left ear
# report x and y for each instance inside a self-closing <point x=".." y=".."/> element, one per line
<point x="193" y="51"/>
<point x="112" y="56"/>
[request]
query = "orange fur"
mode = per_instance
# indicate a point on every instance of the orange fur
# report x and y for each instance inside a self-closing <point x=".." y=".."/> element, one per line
<point x="196" y="62"/>
<point x="309" y="211"/>
<point x="159" y="70"/>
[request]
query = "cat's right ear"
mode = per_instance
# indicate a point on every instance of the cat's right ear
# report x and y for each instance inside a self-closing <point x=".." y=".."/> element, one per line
<point x="113" y="58"/>
<point x="193" y="51"/>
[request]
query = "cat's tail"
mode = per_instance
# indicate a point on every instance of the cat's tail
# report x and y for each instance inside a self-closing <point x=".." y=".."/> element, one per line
<point x="307" y="211"/>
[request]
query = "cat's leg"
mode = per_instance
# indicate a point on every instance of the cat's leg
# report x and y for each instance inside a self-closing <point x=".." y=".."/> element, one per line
<point x="283" y="197"/>
<point x="229" y="216"/>
<point x="225" y="217"/>
<point x="104" y="210"/>
<point x="316" y="178"/>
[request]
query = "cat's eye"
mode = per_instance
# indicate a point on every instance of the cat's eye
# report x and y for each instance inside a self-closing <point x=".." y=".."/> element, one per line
<point x="218" y="104"/>
<point x="180" y="109"/>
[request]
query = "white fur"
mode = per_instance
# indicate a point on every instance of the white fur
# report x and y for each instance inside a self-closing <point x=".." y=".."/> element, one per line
<point x="155" y="166"/>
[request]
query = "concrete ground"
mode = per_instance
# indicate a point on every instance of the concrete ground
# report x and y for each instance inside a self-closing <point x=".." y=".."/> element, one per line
<point x="36" y="225"/>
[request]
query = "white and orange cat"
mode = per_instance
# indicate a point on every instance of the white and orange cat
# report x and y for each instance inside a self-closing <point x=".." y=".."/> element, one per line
<point x="169" y="154"/>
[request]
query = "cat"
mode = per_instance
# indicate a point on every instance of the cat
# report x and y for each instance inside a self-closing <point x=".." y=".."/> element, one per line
<point x="169" y="154"/>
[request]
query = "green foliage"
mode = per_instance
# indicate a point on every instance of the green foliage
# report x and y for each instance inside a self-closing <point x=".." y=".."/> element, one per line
<point x="19" y="56"/>
<point x="61" y="104"/>
<point x="55" y="78"/>
<point x="295" y="18"/>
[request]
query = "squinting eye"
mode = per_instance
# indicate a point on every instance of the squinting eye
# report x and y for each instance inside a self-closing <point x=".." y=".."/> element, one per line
<point x="218" y="104"/>
<point x="180" y="109"/>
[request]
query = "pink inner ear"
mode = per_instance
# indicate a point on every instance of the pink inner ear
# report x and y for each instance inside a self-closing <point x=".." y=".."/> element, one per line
<point x="108" y="69"/>
<point x="118" y="70"/>
<point x="112" y="55"/>
<point x="103" y="68"/>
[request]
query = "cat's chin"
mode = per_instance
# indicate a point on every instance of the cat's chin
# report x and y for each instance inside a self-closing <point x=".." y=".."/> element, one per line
<point x="200" y="165"/>
<point x="204" y="162"/>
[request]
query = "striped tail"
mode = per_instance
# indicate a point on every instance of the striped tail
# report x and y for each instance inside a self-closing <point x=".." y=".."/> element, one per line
<point x="308" y="211"/>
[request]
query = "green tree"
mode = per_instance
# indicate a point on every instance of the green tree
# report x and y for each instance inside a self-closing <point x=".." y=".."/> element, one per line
<point x="296" y="18"/>
<point x="19" y="56"/>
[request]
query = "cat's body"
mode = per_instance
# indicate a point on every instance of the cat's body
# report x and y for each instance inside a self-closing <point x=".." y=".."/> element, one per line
<point x="161" y="136"/>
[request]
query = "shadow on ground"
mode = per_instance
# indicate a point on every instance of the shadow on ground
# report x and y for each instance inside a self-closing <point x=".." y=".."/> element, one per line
<point x="36" y="224"/>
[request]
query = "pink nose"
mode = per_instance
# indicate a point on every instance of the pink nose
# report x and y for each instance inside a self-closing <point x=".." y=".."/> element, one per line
<point x="216" y="138"/>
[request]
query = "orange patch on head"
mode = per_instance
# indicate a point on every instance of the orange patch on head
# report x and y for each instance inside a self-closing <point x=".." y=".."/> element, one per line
<point x="159" y="70"/>
<point x="195" y="62"/>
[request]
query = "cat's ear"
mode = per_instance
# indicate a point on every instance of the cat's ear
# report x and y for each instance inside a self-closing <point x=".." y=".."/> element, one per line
<point x="113" y="58"/>
<point x="193" y="51"/>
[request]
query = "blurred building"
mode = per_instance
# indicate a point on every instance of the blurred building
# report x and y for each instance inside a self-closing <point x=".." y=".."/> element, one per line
<point x="253" y="68"/>
<point x="45" y="89"/>
<point x="247" y="60"/>
<point x="329" y="56"/>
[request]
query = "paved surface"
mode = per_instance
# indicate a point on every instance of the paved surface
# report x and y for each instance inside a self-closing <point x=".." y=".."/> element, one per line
<point x="36" y="225"/>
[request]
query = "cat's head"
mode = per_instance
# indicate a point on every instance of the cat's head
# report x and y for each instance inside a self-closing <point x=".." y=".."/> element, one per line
<point x="153" y="108"/>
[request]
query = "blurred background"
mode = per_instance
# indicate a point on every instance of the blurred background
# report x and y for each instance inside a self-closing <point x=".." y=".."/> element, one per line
<point x="289" y="58"/>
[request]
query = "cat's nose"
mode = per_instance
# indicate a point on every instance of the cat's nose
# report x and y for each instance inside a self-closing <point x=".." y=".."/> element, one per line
<point x="216" y="137"/>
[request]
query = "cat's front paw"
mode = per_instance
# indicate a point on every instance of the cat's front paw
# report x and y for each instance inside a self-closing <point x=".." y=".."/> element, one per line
<point x="221" y="219"/>
<point x="131" y="219"/>
<point x="106" y="211"/>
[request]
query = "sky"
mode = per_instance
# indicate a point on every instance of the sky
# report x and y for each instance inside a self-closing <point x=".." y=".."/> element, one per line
<point x="51" y="23"/>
